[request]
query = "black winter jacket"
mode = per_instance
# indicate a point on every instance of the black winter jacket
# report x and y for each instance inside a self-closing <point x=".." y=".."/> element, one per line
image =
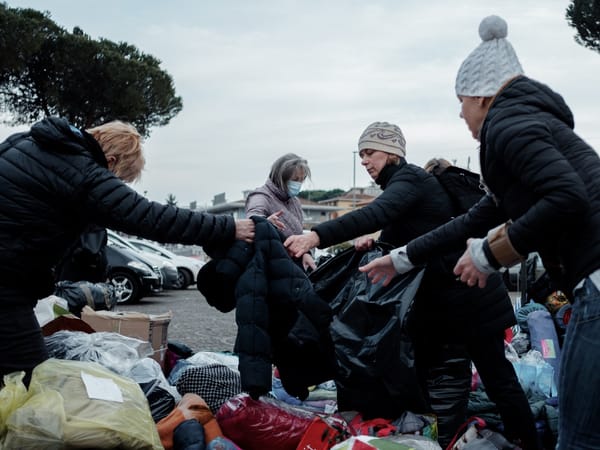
<point x="280" y="318"/>
<point x="412" y="203"/>
<point x="543" y="177"/>
<point x="53" y="182"/>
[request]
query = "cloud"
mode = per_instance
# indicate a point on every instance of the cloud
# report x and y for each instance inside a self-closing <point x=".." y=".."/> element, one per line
<point x="262" y="78"/>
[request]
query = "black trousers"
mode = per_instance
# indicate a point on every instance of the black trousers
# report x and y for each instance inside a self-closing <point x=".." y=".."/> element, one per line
<point x="444" y="369"/>
<point x="503" y="388"/>
<point x="22" y="345"/>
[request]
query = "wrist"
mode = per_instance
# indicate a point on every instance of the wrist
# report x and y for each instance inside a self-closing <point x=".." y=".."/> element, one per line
<point x="478" y="256"/>
<point x="315" y="239"/>
<point x="400" y="260"/>
<point x="500" y="246"/>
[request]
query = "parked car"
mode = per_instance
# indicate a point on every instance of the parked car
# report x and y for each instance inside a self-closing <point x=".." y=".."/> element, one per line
<point x="187" y="267"/>
<point x="132" y="277"/>
<point x="168" y="269"/>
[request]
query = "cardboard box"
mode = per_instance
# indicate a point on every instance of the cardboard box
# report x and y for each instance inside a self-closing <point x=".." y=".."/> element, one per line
<point x="147" y="327"/>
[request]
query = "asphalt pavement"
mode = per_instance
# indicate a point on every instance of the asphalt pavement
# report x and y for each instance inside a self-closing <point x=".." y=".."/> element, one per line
<point x="195" y="323"/>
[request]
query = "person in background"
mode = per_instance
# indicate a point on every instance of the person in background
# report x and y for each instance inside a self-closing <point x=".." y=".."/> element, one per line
<point x="436" y="165"/>
<point x="56" y="180"/>
<point x="447" y="312"/>
<point x="544" y="195"/>
<point x="277" y="199"/>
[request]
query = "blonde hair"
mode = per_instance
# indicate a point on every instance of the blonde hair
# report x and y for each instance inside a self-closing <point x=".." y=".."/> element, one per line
<point x="122" y="141"/>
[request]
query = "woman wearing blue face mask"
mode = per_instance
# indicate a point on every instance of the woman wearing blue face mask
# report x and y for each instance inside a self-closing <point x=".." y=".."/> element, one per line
<point x="277" y="199"/>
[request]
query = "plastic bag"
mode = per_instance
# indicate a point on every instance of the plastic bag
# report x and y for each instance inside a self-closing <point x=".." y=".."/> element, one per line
<point x="12" y="396"/>
<point x="330" y="277"/>
<point x="208" y="358"/>
<point x="535" y="374"/>
<point x="373" y="351"/>
<point x="98" y="296"/>
<point x="78" y="404"/>
<point x="39" y="423"/>
<point x="391" y="443"/>
<point x="49" y="308"/>
<point x="114" y="351"/>
<point x="162" y="397"/>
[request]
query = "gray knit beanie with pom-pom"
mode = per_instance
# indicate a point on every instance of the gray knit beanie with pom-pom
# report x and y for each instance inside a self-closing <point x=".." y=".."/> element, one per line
<point x="491" y="64"/>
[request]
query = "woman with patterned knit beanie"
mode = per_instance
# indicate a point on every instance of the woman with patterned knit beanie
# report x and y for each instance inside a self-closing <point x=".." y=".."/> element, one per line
<point x="453" y="324"/>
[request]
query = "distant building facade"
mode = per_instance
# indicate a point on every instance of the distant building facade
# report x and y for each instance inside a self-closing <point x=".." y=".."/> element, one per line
<point x="352" y="199"/>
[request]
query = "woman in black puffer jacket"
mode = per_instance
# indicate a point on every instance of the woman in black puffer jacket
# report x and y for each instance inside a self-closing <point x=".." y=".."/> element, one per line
<point x="544" y="183"/>
<point x="54" y="181"/>
<point x="413" y="202"/>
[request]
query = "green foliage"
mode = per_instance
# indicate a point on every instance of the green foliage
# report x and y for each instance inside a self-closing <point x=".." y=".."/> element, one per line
<point x="318" y="195"/>
<point x="47" y="71"/>
<point x="171" y="200"/>
<point x="584" y="16"/>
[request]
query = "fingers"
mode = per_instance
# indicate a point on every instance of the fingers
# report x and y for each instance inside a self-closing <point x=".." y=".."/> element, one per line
<point x="363" y="244"/>
<point x="296" y="246"/>
<point x="244" y="230"/>
<point x="308" y="262"/>
<point x="468" y="273"/>
<point x="376" y="273"/>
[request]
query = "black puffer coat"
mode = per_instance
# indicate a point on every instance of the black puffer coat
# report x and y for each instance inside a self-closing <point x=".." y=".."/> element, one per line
<point x="412" y="203"/>
<point x="543" y="177"/>
<point x="53" y="182"/>
<point x="280" y="318"/>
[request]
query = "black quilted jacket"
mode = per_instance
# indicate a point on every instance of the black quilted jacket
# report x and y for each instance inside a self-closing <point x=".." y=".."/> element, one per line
<point x="280" y="318"/>
<point x="412" y="203"/>
<point x="543" y="176"/>
<point x="54" y="181"/>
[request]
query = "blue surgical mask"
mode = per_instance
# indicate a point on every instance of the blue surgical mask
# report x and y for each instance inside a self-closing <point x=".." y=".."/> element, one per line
<point x="293" y="188"/>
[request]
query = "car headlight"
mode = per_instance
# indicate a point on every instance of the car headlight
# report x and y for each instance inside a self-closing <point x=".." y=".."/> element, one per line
<point x="141" y="267"/>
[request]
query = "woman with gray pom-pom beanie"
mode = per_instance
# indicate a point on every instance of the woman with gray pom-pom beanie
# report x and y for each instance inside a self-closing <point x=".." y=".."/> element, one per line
<point x="544" y="195"/>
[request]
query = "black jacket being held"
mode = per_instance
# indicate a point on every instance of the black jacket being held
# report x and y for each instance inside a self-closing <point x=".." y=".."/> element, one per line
<point x="280" y="318"/>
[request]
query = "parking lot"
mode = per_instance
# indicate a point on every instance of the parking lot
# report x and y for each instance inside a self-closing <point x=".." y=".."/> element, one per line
<point x="195" y="322"/>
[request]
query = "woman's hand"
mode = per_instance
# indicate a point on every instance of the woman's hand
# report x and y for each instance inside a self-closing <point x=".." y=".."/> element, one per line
<point x="299" y="244"/>
<point x="244" y="230"/>
<point x="363" y="243"/>
<point x="274" y="219"/>
<point x="467" y="271"/>
<point x="380" y="269"/>
<point x="308" y="262"/>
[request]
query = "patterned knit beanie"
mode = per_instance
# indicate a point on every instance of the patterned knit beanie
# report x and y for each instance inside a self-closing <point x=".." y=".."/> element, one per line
<point x="383" y="136"/>
<point x="491" y="64"/>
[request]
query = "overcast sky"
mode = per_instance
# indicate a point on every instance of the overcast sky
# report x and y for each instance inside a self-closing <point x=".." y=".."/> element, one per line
<point x="262" y="78"/>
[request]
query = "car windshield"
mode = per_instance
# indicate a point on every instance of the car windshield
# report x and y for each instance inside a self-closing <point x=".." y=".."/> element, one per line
<point x="115" y="238"/>
<point x="153" y="249"/>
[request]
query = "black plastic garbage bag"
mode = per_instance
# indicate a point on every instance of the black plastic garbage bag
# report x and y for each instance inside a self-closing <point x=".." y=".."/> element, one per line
<point x="374" y="353"/>
<point x="160" y="401"/>
<point x="331" y="277"/>
<point x="448" y="386"/>
<point x="98" y="296"/>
